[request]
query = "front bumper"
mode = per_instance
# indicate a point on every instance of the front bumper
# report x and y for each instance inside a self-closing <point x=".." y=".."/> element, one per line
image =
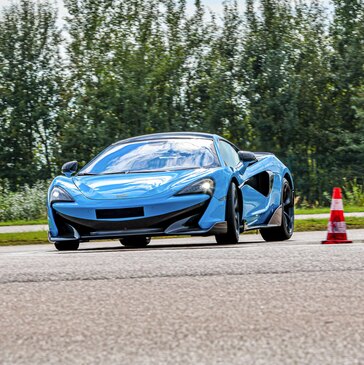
<point x="217" y="228"/>
<point x="184" y="221"/>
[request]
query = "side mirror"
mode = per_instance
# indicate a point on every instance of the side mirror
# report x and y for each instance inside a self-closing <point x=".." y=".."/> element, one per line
<point x="247" y="157"/>
<point x="69" y="168"/>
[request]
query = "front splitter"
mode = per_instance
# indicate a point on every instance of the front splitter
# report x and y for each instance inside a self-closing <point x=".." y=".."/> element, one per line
<point x="217" y="228"/>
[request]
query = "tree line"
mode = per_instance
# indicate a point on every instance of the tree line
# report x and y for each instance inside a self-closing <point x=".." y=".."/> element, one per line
<point x="270" y="75"/>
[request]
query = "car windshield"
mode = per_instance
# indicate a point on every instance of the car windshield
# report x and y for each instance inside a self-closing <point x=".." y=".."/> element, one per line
<point x="155" y="155"/>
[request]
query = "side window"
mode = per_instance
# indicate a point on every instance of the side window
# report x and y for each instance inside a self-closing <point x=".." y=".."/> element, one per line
<point x="229" y="154"/>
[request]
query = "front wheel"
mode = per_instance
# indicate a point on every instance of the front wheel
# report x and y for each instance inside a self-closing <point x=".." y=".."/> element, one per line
<point x="285" y="230"/>
<point x="135" y="242"/>
<point x="232" y="218"/>
<point x="67" y="245"/>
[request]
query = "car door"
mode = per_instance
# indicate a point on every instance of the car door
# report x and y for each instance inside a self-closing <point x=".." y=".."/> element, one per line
<point x="256" y="188"/>
<point x="229" y="154"/>
<point x="255" y="200"/>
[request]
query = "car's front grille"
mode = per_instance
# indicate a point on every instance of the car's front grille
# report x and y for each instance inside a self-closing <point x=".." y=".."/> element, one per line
<point x="119" y="213"/>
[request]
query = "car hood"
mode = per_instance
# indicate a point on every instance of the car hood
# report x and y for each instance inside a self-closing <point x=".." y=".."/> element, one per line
<point x="137" y="185"/>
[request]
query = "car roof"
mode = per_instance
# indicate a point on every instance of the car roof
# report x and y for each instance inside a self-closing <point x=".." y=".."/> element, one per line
<point x="148" y="137"/>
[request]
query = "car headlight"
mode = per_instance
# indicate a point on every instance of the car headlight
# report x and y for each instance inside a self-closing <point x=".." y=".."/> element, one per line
<point x="204" y="186"/>
<point x="60" y="195"/>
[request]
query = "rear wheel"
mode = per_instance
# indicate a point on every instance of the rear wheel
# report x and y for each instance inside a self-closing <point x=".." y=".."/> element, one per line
<point x="135" y="242"/>
<point x="285" y="230"/>
<point x="232" y="218"/>
<point x="67" y="245"/>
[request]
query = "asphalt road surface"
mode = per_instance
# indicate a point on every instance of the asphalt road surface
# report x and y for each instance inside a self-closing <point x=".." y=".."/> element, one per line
<point x="184" y="301"/>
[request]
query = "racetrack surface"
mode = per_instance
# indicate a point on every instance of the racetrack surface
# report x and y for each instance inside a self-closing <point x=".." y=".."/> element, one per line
<point x="184" y="301"/>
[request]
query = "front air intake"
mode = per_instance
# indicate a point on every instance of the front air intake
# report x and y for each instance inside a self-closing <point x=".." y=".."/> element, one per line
<point x="119" y="213"/>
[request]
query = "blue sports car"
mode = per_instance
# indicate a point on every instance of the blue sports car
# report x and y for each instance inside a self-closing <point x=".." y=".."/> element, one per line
<point x="171" y="184"/>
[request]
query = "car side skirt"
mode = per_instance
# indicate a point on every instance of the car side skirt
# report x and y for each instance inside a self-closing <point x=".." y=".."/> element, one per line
<point x="274" y="221"/>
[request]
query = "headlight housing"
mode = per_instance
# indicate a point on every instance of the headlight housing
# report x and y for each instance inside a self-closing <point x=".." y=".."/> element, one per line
<point x="204" y="186"/>
<point x="59" y="195"/>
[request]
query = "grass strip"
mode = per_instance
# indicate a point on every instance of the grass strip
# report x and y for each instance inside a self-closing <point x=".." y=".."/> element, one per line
<point x="347" y="209"/>
<point x="24" y="222"/>
<point x="321" y="224"/>
<point x="23" y="238"/>
<point x="29" y="238"/>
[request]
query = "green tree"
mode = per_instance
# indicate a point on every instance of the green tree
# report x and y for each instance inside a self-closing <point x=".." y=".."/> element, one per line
<point x="131" y="67"/>
<point x="87" y="118"/>
<point x="30" y="80"/>
<point x="226" y="108"/>
<point x="347" y="32"/>
<point x="287" y="56"/>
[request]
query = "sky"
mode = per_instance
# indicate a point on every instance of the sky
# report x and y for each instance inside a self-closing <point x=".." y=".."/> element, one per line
<point x="214" y="5"/>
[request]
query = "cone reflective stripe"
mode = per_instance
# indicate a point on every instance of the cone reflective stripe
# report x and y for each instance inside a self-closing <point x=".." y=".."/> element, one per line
<point x="336" y="229"/>
<point x="337" y="205"/>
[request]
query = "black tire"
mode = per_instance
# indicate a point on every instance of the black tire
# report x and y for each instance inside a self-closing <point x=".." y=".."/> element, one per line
<point x="135" y="242"/>
<point x="232" y="218"/>
<point x="67" y="245"/>
<point x="285" y="230"/>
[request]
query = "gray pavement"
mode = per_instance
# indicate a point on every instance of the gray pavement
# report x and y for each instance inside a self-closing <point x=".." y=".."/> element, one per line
<point x="25" y="228"/>
<point x="44" y="227"/>
<point x="325" y="215"/>
<point x="184" y="301"/>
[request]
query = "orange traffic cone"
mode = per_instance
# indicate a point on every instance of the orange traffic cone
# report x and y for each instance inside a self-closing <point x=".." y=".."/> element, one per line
<point x="336" y="229"/>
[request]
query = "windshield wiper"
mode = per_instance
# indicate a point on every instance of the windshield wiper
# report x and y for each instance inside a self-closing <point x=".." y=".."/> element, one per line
<point x="133" y="172"/>
<point x="115" y="173"/>
<point x="145" y="171"/>
<point x="125" y="172"/>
